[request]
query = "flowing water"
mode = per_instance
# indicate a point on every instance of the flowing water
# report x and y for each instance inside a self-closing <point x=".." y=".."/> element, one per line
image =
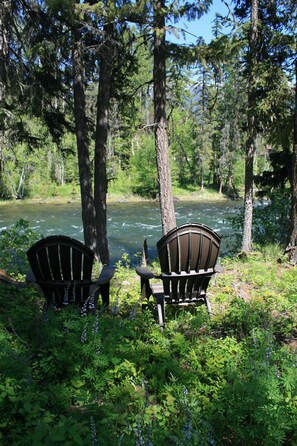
<point x="128" y="223"/>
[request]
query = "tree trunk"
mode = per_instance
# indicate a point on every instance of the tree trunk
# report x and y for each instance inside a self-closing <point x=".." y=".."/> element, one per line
<point x="252" y="132"/>
<point x="248" y="197"/>
<point x="100" y="178"/>
<point x="293" y="235"/>
<point x="4" y="44"/>
<point x="201" y="175"/>
<point x="161" y="137"/>
<point x="84" y="166"/>
<point x="4" y="51"/>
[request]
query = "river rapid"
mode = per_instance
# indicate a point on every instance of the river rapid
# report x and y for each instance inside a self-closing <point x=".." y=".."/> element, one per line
<point x="128" y="223"/>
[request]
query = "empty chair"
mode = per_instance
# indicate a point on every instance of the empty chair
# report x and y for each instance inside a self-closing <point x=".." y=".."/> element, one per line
<point x="188" y="256"/>
<point x="62" y="267"/>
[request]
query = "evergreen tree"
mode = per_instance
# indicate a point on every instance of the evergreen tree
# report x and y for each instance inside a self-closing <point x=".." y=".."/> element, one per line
<point x="160" y="120"/>
<point x="251" y="127"/>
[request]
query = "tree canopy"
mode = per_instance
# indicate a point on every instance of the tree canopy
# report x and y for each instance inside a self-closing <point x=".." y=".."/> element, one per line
<point x="77" y="84"/>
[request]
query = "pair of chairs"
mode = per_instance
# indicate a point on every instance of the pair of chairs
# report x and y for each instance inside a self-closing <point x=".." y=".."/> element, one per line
<point x="188" y="254"/>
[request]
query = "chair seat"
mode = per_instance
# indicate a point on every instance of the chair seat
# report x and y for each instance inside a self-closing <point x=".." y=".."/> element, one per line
<point x="186" y="298"/>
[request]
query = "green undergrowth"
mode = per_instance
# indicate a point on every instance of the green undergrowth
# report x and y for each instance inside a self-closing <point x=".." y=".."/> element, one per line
<point x="112" y="378"/>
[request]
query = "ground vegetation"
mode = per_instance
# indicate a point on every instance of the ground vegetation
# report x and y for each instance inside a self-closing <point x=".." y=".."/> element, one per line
<point x="69" y="377"/>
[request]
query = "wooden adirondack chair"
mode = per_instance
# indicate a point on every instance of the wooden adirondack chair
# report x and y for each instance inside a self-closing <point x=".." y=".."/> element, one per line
<point x="62" y="267"/>
<point x="188" y="256"/>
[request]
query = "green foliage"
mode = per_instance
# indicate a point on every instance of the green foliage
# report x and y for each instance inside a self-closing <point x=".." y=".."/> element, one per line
<point x="121" y="183"/>
<point x="14" y="242"/>
<point x="144" y="169"/>
<point x="256" y="402"/>
<point x="113" y="378"/>
<point x="270" y="220"/>
<point x="206" y="96"/>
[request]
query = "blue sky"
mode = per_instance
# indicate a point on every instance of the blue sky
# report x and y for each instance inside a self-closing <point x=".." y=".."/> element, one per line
<point x="201" y="27"/>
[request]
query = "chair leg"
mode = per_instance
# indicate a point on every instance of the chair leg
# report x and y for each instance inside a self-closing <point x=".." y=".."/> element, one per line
<point x="208" y="305"/>
<point x="161" y="313"/>
<point x="104" y="290"/>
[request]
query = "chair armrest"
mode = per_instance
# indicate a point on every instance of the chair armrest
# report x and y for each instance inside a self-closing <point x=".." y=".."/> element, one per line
<point x="106" y="275"/>
<point x="145" y="273"/>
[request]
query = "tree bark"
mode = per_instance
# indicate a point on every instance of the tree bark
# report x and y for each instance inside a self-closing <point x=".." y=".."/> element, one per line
<point x="252" y="131"/>
<point x="293" y="234"/>
<point x="4" y="51"/>
<point x="84" y="165"/>
<point x="100" y="178"/>
<point x="161" y="137"/>
<point x="4" y="44"/>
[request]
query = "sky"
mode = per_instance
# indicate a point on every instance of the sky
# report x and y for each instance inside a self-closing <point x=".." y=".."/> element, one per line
<point x="201" y="27"/>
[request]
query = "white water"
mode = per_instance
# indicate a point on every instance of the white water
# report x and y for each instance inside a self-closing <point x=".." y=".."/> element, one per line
<point x="128" y="223"/>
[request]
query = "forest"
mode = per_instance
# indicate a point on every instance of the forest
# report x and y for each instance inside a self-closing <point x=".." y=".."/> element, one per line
<point x="107" y="98"/>
<point x="78" y="103"/>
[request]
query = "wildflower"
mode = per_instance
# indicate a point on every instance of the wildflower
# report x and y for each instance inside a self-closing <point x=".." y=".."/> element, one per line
<point x="188" y="428"/>
<point x="115" y="308"/>
<point x="210" y="440"/>
<point x="83" y="311"/>
<point x="44" y="314"/>
<point x="132" y="313"/>
<point x="66" y="293"/>
<point x="83" y="337"/>
<point x="255" y="340"/>
<point x="140" y="440"/>
<point x="73" y="293"/>
<point x="94" y="432"/>
<point x="268" y="354"/>
<point x="91" y="303"/>
<point x="146" y="394"/>
<point x="96" y="325"/>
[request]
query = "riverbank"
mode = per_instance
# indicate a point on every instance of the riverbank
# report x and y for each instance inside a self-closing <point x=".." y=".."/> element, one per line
<point x="180" y="195"/>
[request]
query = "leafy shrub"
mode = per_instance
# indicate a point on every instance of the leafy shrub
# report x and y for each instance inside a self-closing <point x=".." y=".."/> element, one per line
<point x="143" y="170"/>
<point x="72" y="378"/>
<point x="258" y="403"/>
<point x="14" y="242"/>
<point x="270" y="220"/>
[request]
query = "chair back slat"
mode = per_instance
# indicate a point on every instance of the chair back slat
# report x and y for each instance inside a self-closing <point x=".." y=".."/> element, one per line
<point x="205" y="248"/>
<point x="44" y="268"/>
<point x="36" y="268"/>
<point x="53" y="255"/>
<point x="183" y="287"/>
<point x="65" y="261"/>
<point x="77" y="264"/>
<point x="185" y="252"/>
<point x="87" y="266"/>
<point x="167" y="287"/>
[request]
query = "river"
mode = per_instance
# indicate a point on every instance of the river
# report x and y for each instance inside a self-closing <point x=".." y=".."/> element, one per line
<point x="128" y="223"/>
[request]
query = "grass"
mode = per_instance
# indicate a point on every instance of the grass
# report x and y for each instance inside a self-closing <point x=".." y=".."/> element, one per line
<point x="71" y="192"/>
<point x="114" y="378"/>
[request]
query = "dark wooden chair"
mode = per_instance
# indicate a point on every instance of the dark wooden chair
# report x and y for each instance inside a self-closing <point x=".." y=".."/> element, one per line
<point x="188" y="256"/>
<point x="62" y="268"/>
